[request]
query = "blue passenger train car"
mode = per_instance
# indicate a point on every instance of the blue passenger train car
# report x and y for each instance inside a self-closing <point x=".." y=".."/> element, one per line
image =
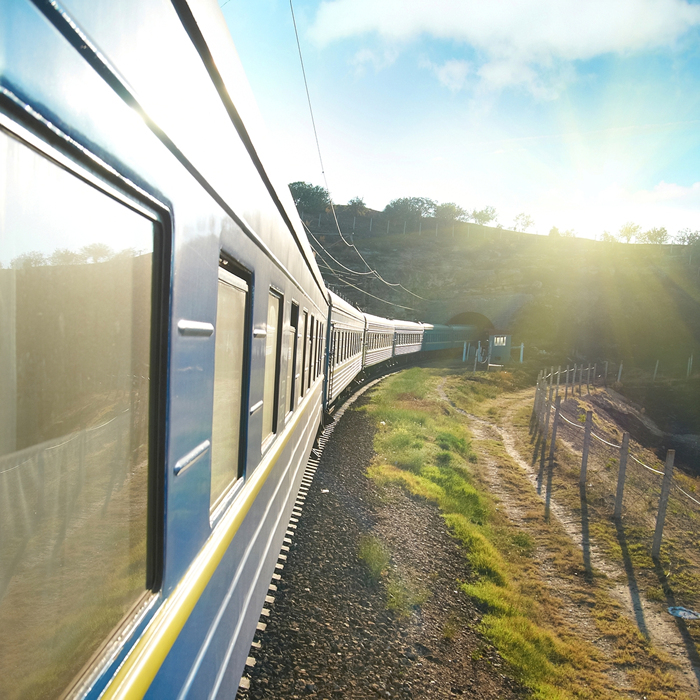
<point x="164" y="354"/>
<point x="161" y="351"/>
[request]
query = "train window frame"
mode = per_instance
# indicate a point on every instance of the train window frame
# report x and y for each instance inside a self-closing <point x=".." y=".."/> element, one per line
<point x="19" y="122"/>
<point x="291" y="403"/>
<point x="268" y="438"/>
<point x="231" y="267"/>
<point x="310" y="341"/>
<point x="304" y="352"/>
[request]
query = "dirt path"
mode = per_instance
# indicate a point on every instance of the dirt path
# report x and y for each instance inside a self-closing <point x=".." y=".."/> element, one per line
<point x="661" y="628"/>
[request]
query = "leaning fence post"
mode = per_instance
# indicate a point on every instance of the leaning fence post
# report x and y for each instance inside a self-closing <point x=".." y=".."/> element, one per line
<point x="586" y="447"/>
<point x="548" y="410"/>
<point x="624" y="451"/>
<point x="537" y="396"/>
<point x="580" y="379"/>
<point x="619" y="373"/>
<point x="554" y="430"/>
<point x="656" y="369"/>
<point x="663" y="502"/>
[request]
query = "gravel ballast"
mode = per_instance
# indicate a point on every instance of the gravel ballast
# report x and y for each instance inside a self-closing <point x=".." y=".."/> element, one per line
<point x="329" y="633"/>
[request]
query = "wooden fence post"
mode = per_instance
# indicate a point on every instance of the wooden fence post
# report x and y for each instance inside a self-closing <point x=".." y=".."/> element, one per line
<point x="586" y="447"/>
<point x="595" y="367"/>
<point x="554" y="430"/>
<point x="580" y="379"/>
<point x="656" y="369"/>
<point x="624" y="451"/>
<point x="548" y="410"/>
<point x="537" y="396"/>
<point x="588" y="379"/>
<point x="619" y="373"/>
<point x="566" y="385"/>
<point x="663" y="503"/>
<point x="558" y="375"/>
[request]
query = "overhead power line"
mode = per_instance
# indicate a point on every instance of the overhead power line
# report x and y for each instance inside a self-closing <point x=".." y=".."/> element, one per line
<point x="342" y="279"/>
<point x="371" y="270"/>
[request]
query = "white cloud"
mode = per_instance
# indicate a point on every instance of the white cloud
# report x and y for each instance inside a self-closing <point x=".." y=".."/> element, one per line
<point x="518" y="41"/>
<point x="670" y="193"/>
<point x="377" y="59"/>
<point x="452" y="74"/>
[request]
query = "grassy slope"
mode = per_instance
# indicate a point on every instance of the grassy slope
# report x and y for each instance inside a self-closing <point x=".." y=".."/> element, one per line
<point x="427" y="448"/>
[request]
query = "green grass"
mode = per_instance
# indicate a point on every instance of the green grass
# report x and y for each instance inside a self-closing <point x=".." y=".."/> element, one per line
<point x="428" y="451"/>
<point x="374" y="556"/>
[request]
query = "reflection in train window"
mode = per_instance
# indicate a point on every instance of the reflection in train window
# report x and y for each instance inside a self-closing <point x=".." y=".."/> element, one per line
<point x="292" y="355"/>
<point x="304" y="353"/>
<point x="75" y="346"/>
<point x="272" y="364"/>
<point x="226" y="462"/>
<point x="310" y="343"/>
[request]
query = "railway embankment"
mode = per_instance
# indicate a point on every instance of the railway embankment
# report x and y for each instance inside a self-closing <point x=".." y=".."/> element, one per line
<point x="369" y="604"/>
<point x="434" y="559"/>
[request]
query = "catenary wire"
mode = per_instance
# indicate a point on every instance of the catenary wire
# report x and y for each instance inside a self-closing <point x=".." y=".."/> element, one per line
<point x="349" y="284"/>
<point x="323" y="171"/>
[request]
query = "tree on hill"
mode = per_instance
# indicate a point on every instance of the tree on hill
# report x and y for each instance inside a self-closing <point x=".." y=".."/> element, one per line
<point x="628" y="231"/>
<point x="31" y="259"/>
<point x="554" y="232"/>
<point x="607" y="237"/>
<point x="687" y="237"/>
<point x="450" y="212"/>
<point x="410" y="208"/>
<point x="357" y="206"/>
<point x="484" y="216"/>
<point x="308" y="198"/>
<point x="653" y="235"/>
<point x="523" y="222"/>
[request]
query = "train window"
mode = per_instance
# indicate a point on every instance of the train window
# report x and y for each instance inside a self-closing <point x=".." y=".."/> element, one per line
<point x="226" y="462"/>
<point x="310" y="343"/>
<point x="292" y="355"/>
<point x="272" y="364"/>
<point x="321" y="342"/>
<point x="76" y="282"/>
<point x="304" y="353"/>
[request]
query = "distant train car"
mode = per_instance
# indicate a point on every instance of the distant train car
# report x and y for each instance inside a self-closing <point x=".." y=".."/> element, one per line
<point x="409" y="337"/>
<point x="379" y="340"/>
<point x="347" y="331"/>
<point x="439" y="337"/>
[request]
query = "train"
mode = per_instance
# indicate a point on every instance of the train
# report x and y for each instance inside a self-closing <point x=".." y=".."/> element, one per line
<point x="168" y="351"/>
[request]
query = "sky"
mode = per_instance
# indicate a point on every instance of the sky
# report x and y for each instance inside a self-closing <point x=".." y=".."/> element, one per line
<point x="582" y="115"/>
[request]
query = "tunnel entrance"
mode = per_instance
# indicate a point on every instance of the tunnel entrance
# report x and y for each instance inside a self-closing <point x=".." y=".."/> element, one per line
<point x="471" y="318"/>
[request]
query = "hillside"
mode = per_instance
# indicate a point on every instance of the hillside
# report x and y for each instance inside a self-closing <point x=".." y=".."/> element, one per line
<point x="569" y="298"/>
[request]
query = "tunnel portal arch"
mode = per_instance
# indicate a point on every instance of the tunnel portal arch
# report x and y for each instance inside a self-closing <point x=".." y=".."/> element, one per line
<point x="472" y="318"/>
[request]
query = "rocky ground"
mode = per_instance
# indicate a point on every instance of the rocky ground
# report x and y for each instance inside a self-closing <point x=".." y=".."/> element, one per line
<point x="330" y="634"/>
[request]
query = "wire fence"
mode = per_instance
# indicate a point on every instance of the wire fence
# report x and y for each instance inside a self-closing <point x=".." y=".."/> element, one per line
<point x="618" y="477"/>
